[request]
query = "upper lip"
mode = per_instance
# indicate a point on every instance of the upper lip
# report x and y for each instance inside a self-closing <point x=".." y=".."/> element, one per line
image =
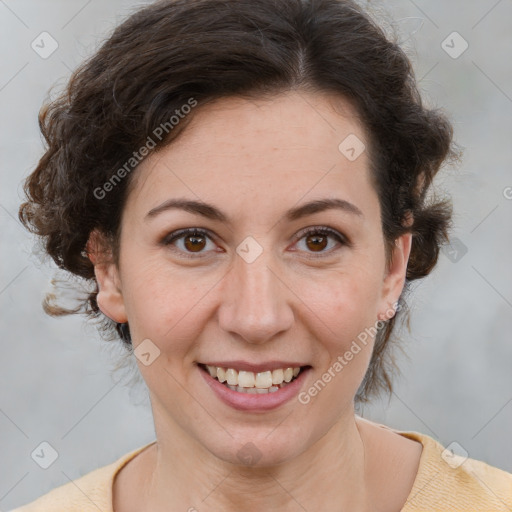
<point x="252" y="367"/>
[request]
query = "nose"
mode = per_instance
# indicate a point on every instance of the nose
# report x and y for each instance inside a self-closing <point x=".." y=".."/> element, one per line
<point x="255" y="300"/>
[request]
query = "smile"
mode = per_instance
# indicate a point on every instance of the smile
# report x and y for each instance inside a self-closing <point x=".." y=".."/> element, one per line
<point x="259" y="391"/>
<point x="251" y="382"/>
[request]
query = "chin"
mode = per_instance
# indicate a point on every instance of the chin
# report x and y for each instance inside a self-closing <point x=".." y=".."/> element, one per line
<point x="255" y="449"/>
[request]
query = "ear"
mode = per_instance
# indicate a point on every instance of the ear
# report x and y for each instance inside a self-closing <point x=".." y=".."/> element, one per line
<point x="394" y="278"/>
<point x="110" y="297"/>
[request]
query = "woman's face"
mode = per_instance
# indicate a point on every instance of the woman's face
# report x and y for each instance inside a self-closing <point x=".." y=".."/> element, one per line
<point x="254" y="288"/>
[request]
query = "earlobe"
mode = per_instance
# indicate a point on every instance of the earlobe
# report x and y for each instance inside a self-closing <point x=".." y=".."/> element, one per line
<point x="110" y="298"/>
<point x="394" y="279"/>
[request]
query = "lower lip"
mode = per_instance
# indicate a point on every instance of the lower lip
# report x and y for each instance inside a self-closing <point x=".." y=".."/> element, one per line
<point x="255" y="402"/>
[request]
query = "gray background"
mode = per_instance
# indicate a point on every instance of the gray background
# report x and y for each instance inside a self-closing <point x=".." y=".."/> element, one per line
<point x="58" y="383"/>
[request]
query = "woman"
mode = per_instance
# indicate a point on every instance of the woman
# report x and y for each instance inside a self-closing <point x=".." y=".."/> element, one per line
<point x="245" y="183"/>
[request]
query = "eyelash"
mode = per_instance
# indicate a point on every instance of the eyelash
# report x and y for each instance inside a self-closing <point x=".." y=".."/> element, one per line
<point x="176" y="235"/>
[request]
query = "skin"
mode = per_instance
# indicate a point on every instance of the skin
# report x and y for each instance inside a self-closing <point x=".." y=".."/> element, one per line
<point x="297" y="299"/>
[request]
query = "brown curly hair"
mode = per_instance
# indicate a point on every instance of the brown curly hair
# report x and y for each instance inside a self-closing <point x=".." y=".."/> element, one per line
<point x="172" y="50"/>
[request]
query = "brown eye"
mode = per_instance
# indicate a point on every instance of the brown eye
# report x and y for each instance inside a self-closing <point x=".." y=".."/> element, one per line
<point x="193" y="241"/>
<point x="317" y="240"/>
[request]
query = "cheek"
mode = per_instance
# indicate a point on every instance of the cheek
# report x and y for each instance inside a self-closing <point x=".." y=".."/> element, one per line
<point x="342" y="323"/>
<point x="165" y="302"/>
<point x="347" y="300"/>
<point x="158" y="301"/>
<point x="342" y="312"/>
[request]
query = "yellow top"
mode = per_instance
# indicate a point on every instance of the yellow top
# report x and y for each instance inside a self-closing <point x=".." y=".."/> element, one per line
<point x="444" y="482"/>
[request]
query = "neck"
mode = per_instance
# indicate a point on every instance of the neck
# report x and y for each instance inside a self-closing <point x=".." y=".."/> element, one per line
<point x="183" y="475"/>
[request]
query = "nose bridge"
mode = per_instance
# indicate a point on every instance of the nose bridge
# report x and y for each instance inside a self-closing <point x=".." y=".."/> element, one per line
<point x="255" y="304"/>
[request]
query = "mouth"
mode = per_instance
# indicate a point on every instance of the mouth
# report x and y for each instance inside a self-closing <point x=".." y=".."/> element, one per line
<point x="248" y="382"/>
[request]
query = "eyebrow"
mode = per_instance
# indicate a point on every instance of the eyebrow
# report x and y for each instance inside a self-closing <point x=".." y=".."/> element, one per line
<point x="211" y="212"/>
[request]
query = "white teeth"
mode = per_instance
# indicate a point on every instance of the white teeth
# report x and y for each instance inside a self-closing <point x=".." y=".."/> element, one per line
<point x="231" y="377"/>
<point x="288" y="374"/>
<point x="221" y="374"/>
<point x="263" y="380"/>
<point x="246" y="379"/>
<point x="254" y="391"/>
<point x="278" y="376"/>
<point x="250" y="382"/>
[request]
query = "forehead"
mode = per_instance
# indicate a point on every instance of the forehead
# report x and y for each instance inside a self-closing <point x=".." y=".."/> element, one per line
<point x="259" y="153"/>
<point x="286" y="120"/>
